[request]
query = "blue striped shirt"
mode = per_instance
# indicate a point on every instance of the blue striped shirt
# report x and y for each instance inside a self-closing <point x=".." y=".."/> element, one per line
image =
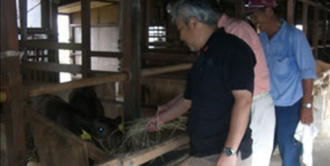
<point x="290" y="60"/>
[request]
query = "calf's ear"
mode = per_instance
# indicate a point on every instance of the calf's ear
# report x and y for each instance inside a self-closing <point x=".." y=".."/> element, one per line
<point x="118" y="120"/>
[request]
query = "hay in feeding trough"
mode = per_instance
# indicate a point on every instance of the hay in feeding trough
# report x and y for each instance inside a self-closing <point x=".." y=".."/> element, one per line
<point x="137" y="138"/>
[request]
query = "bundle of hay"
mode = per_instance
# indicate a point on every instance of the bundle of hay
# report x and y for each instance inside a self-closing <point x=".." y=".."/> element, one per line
<point x="137" y="138"/>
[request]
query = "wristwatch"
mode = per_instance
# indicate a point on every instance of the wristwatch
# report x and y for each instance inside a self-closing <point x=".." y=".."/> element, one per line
<point x="307" y="105"/>
<point x="229" y="151"/>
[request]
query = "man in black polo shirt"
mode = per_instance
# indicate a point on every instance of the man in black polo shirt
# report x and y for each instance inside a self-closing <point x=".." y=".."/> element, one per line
<point x="218" y="91"/>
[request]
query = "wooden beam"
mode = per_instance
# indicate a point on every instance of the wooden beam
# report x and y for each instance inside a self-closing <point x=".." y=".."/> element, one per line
<point x="290" y="12"/>
<point x="91" y="151"/>
<point x="35" y="91"/>
<point x="86" y="37"/>
<point x="11" y="83"/>
<point x="112" y="24"/>
<point x="178" y="57"/>
<point x="156" y="151"/>
<point x="95" y="153"/>
<point x="23" y="18"/>
<point x="305" y="18"/>
<point x="46" y="44"/>
<point x="150" y="153"/>
<point x="167" y="69"/>
<point x="324" y="46"/>
<point x="106" y="54"/>
<point x="36" y="31"/>
<point x="45" y="17"/>
<point x="309" y="2"/>
<point x="145" y="24"/>
<point x="115" y="77"/>
<point x="12" y="114"/>
<point x="8" y="26"/>
<point x="315" y="4"/>
<point x="52" y="67"/>
<point x="76" y="6"/>
<point x="130" y="37"/>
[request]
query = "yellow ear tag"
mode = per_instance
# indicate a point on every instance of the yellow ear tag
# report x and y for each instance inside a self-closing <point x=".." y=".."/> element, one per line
<point x="3" y="96"/>
<point x="121" y="127"/>
<point x="85" y="135"/>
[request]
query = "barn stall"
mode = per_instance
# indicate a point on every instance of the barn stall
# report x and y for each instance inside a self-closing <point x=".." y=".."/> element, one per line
<point x="128" y="50"/>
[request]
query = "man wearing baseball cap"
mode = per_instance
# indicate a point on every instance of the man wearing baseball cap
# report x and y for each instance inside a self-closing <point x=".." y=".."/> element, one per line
<point x="292" y="71"/>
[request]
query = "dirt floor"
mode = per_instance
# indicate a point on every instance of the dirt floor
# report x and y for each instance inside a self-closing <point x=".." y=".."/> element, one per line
<point x="321" y="151"/>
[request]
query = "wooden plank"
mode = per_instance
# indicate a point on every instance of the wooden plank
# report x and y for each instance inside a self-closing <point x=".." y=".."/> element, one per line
<point x="52" y="67"/>
<point x="150" y="153"/>
<point x="106" y="54"/>
<point x="178" y="57"/>
<point x="46" y="44"/>
<point x="95" y="153"/>
<point x="23" y="18"/>
<point x="146" y="4"/>
<point x="12" y="110"/>
<point x="113" y="162"/>
<point x="86" y="37"/>
<point x="115" y="77"/>
<point x="76" y="6"/>
<point x="315" y="4"/>
<point x="12" y="113"/>
<point x="154" y="152"/>
<point x="130" y="12"/>
<point x="55" y="145"/>
<point x="167" y="69"/>
<point x="35" y="91"/>
<point x="114" y="24"/>
<point x="92" y="151"/>
<point x="309" y="2"/>
<point x="324" y="46"/>
<point x="52" y="36"/>
<point x="8" y="26"/>
<point x="23" y="23"/>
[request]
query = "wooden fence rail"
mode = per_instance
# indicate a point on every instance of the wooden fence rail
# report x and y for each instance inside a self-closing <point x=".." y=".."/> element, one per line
<point x="115" y="77"/>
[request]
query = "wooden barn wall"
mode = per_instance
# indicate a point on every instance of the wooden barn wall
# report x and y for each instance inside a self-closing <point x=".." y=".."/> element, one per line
<point x="104" y="37"/>
<point x="160" y="90"/>
<point x="103" y="15"/>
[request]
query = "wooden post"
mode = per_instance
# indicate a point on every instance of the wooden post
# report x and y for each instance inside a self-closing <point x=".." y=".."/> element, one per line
<point x="53" y="35"/>
<point x="145" y="25"/>
<point x="23" y="24"/>
<point x="131" y="56"/>
<point x="23" y="19"/>
<point x="11" y="83"/>
<point x="8" y="26"/>
<point x="290" y="12"/>
<point x="86" y="35"/>
<point x="305" y="17"/>
<point x="145" y="155"/>
<point x="12" y="113"/>
<point x="167" y="69"/>
<point x="65" y="148"/>
<point x="315" y="39"/>
<point x="77" y="84"/>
